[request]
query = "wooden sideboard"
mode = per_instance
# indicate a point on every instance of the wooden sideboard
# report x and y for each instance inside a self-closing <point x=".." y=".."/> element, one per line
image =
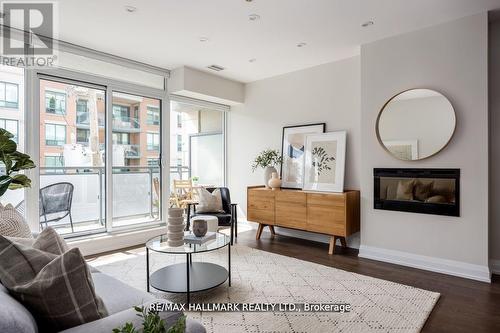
<point x="334" y="214"/>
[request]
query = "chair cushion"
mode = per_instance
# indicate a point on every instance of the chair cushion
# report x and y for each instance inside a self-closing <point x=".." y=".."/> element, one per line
<point x="58" y="289"/>
<point x="209" y="202"/>
<point x="224" y="219"/>
<point x="12" y="223"/>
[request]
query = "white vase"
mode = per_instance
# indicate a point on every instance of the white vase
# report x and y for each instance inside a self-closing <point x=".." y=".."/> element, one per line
<point x="275" y="181"/>
<point x="268" y="172"/>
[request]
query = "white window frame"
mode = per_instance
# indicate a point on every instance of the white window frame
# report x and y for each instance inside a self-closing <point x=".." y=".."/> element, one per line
<point x="32" y="127"/>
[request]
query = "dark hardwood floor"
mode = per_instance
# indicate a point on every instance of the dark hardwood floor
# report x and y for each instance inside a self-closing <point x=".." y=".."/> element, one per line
<point x="464" y="306"/>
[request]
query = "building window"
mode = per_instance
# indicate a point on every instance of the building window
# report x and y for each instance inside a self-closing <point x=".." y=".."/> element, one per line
<point x="54" y="161"/>
<point x="179" y="143"/>
<point x="55" y="135"/>
<point x="121" y="138"/>
<point x="179" y="120"/>
<point x="153" y="141"/>
<point x="82" y="136"/>
<point x="9" y="95"/>
<point x="179" y="162"/>
<point x="55" y="102"/>
<point x="153" y="162"/>
<point x="121" y="112"/>
<point x="153" y="116"/>
<point x="10" y="126"/>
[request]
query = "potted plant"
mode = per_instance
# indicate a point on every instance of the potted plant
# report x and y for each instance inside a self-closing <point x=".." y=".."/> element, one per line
<point x="13" y="163"/>
<point x="268" y="160"/>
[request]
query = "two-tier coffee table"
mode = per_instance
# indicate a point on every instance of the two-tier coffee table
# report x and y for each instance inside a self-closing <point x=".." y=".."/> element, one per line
<point x="190" y="276"/>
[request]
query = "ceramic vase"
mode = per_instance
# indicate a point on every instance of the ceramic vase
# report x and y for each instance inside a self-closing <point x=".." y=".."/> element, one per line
<point x="274" y="182"/>
<point x="200" y="227"/>
<point x="268" y="172"/>
<point x="175" y="227"/>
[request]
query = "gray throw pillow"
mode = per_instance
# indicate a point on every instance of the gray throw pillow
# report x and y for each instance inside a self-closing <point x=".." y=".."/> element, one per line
<point x="12" y="223"/>
<point x="58" y="289"/>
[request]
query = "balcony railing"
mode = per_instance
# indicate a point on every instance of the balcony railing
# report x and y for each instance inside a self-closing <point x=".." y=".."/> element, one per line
<point x="135" y="198"/>
<point x="126" y="124"/>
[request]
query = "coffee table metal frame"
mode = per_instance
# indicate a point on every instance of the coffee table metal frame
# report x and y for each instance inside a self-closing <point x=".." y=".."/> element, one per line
<point x="200" y="276"/>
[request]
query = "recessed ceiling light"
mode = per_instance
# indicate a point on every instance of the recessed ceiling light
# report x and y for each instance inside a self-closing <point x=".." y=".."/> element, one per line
<point x="248" y="0"/>
<point x="302" y="44"/>
<point x="203" y="39"/>
<point x="130" y="9"/>
<point x="254" y="17"/>
<point x="252" y="60"/>
<point x="367" y="24"/>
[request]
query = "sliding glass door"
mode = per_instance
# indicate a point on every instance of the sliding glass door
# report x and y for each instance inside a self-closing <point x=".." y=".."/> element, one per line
<point x="72" y="151"/>
<point x="136" y="160"/>
<point x="79" y="126"/>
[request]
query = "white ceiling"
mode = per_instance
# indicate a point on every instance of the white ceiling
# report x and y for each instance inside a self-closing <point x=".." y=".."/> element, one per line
<point x="166" y="33"/>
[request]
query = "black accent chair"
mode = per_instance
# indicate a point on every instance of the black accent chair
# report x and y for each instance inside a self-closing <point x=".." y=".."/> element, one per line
<point x="227" y="219"/>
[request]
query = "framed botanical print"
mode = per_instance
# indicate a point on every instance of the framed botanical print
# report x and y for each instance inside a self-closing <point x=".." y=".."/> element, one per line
<point x="325" y="162"/>
<point x="292" y="152"/>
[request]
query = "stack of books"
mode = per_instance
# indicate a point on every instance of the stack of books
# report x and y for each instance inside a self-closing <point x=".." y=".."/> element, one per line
<point x="192" y="239"/>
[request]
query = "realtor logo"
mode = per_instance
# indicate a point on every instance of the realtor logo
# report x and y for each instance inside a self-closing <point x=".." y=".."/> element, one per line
<point x="28" y="33"/>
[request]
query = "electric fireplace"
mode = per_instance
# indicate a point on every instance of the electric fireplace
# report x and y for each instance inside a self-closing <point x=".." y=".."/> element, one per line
<point x="426" y="191"/>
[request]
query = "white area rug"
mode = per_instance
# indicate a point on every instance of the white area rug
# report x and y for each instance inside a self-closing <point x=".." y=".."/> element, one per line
<point x="258" y="276"/>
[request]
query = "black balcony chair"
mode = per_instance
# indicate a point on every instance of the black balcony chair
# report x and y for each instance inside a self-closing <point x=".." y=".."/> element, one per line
<point x="227" y="219"/>
<point x="54" y="203"/>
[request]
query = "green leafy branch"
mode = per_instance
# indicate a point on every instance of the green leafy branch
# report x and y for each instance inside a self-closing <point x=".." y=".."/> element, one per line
<point x="152" y="323"/>
<point x="268" y="157"/>
<point x="14" y="162"/>
<point x="321" y="160"/>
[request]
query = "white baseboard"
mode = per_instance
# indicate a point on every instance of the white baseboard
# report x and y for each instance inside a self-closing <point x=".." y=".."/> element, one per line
<point x="101" y="243"/>
<point x="445" y="266"/>
<point x="495" y="266"/>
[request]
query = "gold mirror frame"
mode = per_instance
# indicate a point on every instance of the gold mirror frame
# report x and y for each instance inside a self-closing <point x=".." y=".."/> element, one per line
<point x="418" y="159"/>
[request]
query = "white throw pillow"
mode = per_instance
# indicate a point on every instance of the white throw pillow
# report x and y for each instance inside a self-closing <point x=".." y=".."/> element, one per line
<point x="209" y="202"/>
<point x="12" y="223"/>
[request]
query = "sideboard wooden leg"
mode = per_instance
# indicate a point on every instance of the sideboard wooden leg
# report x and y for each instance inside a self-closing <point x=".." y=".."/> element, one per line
<point x="343" y="242"/>
<point x="331" y="249"/>
<point x="273" y="233"/>
<point x="259" y="231"/>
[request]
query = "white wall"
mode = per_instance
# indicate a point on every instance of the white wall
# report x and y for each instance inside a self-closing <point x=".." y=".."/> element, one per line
<point x="450" y="58"/>
<point x="494" y="88"/>
<point x="327" y="93"/>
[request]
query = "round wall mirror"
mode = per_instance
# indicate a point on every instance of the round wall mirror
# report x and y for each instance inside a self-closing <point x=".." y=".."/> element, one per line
<point x="416" y="124"/>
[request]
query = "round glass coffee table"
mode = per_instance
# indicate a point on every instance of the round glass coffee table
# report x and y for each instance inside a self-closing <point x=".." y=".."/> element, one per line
<point x="190" y="276"/>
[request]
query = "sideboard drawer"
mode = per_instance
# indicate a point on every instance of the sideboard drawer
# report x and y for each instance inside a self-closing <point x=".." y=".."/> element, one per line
<point x="291" y="210"/>
<point x="264" y="216"/>
<point x="331" y="199"/>
<point x="326" y="220"/>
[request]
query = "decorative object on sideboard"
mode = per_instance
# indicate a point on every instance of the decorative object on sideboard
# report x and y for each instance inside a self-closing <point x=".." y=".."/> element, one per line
<point x="416" y="124"/>
<point x="175" y="227"/>
<point x="275" y="182"/>
<point x="292" y="152"/>
<point x="325" y="161"/>
<point x="425" y="191"/>
<point x="200" y="227"/>
<point x="268" y="160"/>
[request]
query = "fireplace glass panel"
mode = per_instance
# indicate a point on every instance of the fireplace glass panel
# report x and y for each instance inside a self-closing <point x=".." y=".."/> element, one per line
<point x="427" y="190"/>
